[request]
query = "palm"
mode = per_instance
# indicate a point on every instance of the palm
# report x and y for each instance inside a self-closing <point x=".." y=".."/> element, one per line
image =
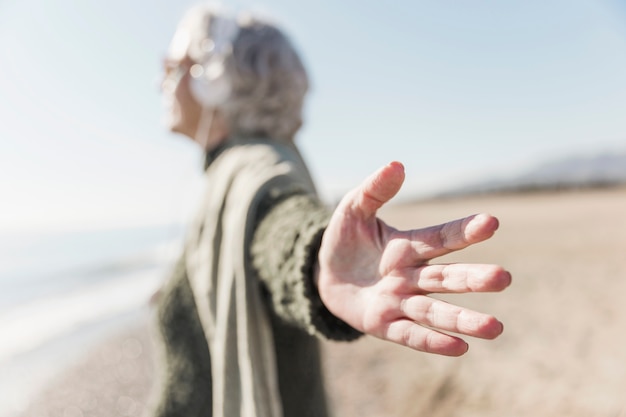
<point x="377" y="278"/>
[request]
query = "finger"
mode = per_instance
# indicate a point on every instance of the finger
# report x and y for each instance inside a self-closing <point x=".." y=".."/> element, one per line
<point x="409" y="334"/>
<point x="378" y="189"/>
<point x="439" y="240"/>
<point x="460" y="278"/>
<point x="443" y="316"/>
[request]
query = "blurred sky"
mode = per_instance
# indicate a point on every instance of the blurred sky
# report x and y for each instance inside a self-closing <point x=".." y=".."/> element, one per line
<point x="454" y="89"/>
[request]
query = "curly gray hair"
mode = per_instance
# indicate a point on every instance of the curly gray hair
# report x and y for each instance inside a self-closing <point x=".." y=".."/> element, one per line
<point x="268" y="81"/>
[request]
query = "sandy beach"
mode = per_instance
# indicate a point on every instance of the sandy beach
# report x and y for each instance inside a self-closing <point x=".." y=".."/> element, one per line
<point x="562" y="352"/>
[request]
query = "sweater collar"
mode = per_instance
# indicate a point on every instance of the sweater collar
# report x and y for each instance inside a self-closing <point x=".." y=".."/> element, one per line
<point x="212" y="154"/>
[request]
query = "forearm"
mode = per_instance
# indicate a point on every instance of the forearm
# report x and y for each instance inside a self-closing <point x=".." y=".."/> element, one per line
<point x="284" y="253"/>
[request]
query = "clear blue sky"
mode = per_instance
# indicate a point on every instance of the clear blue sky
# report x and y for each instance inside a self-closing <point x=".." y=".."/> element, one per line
<point x="454" y="89"/>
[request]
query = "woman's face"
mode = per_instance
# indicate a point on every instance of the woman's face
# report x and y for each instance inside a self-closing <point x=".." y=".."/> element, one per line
<point x="182" y="111"/>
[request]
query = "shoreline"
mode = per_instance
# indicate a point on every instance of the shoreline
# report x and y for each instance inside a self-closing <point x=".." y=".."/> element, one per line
<point x="77" y="370"/>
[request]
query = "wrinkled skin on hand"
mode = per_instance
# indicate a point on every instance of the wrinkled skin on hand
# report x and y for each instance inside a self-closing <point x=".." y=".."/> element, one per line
<point x="378" y="279"/>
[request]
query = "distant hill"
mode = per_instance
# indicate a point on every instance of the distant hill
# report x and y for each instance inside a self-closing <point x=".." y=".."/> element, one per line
<point x="572" y="172"/>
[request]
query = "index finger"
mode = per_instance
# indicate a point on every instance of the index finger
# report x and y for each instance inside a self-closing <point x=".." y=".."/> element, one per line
<point x="442" y="239"/>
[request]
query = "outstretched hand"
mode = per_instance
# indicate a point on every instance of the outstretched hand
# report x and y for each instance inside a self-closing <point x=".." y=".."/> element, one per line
<point x="377" y="278"/>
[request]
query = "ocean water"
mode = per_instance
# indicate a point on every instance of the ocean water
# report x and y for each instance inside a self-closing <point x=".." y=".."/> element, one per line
<point x="62" y="292"/>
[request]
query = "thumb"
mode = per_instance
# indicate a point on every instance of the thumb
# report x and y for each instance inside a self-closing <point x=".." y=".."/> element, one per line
<point x="378" y="189"/>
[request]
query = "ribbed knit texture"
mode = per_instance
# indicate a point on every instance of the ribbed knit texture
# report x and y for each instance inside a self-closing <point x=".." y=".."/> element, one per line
<point x="284" y="252"/>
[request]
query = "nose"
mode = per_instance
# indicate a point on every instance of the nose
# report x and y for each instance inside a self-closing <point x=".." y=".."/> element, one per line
<point x="169" y="81"/>
<point x="167" y="85"/>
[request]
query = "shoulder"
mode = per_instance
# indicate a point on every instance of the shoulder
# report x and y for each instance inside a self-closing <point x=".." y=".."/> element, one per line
<point x="260" y="152"/>
<point x="264" y="163"/>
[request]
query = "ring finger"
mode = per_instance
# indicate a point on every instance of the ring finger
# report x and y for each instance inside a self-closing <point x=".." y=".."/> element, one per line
<point x="440" y="315"/>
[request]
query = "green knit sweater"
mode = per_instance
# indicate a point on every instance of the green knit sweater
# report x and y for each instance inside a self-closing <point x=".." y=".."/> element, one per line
<point x="286" y="239"/>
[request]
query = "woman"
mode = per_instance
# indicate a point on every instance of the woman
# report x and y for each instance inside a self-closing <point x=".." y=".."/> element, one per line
<point x="266" y="268"/>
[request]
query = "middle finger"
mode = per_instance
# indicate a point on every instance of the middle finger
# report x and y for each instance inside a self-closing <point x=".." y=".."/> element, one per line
<point x="460" y="278"/>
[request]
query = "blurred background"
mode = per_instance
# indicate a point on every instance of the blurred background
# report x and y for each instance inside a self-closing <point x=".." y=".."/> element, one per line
<point x="470" y="96"/>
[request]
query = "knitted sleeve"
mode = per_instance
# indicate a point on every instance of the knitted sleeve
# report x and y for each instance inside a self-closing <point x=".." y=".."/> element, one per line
<point x="284" y="251"/>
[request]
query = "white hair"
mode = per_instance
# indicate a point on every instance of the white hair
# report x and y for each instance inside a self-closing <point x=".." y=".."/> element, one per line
<point x="267" y="77"/>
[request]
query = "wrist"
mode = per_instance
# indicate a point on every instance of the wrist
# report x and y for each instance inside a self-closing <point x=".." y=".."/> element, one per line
<point x="316" y="275"/>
